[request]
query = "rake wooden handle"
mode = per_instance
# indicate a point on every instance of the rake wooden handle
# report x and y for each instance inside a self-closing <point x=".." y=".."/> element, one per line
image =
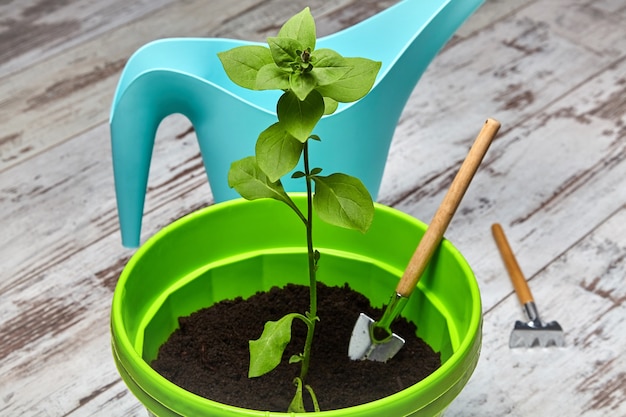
<point x="515" y="273"/>
<point x="434" y="233"/>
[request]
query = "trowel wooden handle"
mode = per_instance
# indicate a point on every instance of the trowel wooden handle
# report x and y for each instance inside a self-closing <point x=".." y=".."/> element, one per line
<point x="434" y="233"/>
<point x="517" y="277"/>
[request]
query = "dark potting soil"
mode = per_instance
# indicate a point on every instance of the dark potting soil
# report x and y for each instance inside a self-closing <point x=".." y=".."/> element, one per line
<point x="208" y="355"/>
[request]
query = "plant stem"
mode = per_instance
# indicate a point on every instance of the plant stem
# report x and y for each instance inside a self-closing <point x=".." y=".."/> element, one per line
<point x="312" y="267"/>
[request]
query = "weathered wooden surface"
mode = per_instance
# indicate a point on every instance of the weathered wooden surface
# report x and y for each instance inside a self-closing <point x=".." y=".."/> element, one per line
<point x="553" y="72"/>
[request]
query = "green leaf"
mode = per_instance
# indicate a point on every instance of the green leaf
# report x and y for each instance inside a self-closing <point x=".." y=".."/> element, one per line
<point x="267" y="351"/>
<point x="300" y="117"/>
<point x="302" y="84"/>
<point x="247" y="178"/>
<point x="343" y="200"/>
<point x="277" y="152"/>
<point x="329" y="66"/>
<point x="297" y="403"/>
<point x="330" y="105"/>
<point x="296" y="358"/>
<point x="284" y="51"/>
<point x="326" y="57"/>
<point x="300" y="27"/>
<point x="355" y="84"/>
<point x="270" y="77"/>
<point x="243" y="63"/>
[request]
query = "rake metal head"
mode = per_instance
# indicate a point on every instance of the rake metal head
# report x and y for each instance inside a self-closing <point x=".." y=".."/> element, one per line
<point x="535" y="333"/>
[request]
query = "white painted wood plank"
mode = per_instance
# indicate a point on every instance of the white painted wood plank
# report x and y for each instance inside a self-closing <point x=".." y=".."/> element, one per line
<point x="64" y="365"/>
<point x="490" y="13"/>
<point x="509" y="71"/>
<point x="65" y="198"/>
<point x="32" y="30"/>
<point x="267" y="17"/>
<point x="596" y="25"/>
<point x="69" y="93"/>
<point x="583" y="290"/>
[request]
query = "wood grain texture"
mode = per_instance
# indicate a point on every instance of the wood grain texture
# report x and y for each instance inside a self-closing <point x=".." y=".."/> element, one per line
<point x="553" y="72"/>
<point x="583" y="290"/>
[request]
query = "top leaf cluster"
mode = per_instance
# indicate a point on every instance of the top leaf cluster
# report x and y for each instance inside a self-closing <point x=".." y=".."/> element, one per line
<point x="319" y="77"/>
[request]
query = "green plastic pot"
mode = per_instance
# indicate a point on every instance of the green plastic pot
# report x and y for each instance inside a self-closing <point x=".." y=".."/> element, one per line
<point x="240" y="247"/>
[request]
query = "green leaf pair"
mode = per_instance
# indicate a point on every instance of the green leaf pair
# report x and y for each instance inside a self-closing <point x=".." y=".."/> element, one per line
<point x="339" y="199"/>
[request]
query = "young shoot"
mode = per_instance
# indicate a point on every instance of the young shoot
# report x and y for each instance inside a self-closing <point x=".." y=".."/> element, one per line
<point x="313" y="82"/>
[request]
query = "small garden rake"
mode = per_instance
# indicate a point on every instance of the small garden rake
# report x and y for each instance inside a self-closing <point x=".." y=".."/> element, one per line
<point x="534" y="332"/>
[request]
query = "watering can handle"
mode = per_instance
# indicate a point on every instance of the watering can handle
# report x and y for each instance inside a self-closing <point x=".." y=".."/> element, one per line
<point x="434" y="233"/>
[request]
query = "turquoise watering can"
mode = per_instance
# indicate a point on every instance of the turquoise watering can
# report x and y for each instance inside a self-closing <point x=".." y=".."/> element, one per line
<point x="184" y="75"/>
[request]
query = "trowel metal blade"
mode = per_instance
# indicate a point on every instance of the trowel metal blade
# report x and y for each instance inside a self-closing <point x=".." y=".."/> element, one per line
<point x="532" y="334"/>
<point x="363" y="347"/>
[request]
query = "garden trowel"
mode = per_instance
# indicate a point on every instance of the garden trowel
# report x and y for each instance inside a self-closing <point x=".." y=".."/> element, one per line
<point x="534" y="332"/>
<point x="374" y="340"/>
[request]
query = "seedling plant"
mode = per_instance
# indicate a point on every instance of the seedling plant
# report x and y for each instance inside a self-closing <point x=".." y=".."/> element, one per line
<point x="313" y="83"/>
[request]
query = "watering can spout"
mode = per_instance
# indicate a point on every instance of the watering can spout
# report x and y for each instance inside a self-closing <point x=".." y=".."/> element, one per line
<point x="185" y="76"/>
